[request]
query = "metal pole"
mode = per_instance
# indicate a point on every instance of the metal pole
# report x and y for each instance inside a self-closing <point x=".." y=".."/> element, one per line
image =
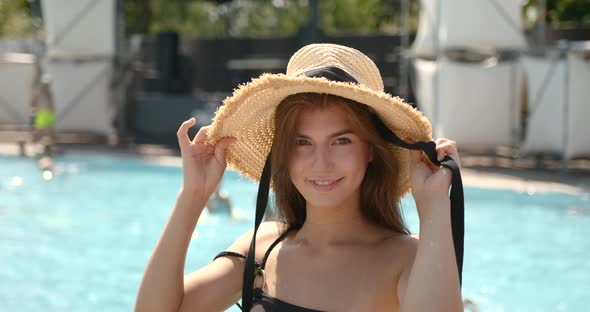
<point x="118" y="89"/>
<point x="39" y="42"/>
<point x="405" y="41"/>
<point x="513" y="112"/>
<point x="436" y="82"/>
<point x="542" y="23"/>
<point x="119" y="31"/>
<point x="315" y="20"/>
<point x="566" y="104"/>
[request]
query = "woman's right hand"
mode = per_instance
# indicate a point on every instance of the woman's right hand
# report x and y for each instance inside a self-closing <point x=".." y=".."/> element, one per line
<point x="202" y="163"/>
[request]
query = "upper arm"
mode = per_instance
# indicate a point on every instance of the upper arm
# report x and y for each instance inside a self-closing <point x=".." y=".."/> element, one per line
<point x="218" y="285"/>
<point x="410" y="246"/>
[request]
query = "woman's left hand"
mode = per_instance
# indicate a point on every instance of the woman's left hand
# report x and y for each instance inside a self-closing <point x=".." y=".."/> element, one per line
<point x="430" y="183"/>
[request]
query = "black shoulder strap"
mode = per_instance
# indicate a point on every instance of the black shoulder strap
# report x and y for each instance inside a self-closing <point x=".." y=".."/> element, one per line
<point x="250" y="268"/>
<point x="272" y="246"/>
<point x="229" y="254"/>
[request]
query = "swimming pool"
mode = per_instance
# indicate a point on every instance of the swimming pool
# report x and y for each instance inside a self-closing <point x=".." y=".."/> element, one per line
<point x="80" y="242"/>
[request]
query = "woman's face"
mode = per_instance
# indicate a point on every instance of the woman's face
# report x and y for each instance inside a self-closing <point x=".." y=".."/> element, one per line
<point x="329" y="159"/>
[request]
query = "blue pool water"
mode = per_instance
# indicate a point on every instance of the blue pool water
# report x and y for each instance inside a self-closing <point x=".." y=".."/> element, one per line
<point x="80" y="242"/>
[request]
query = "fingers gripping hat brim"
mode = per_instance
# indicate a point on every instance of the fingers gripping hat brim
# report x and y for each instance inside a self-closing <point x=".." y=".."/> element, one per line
<point x="248" y="116"/>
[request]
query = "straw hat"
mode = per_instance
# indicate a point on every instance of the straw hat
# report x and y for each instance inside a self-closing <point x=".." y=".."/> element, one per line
<point x="248" y="114"/>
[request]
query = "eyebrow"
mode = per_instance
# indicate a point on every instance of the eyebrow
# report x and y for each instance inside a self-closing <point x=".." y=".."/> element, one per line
<point x="335" y="134"/>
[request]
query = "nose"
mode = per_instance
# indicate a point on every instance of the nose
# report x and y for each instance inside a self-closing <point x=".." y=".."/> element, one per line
<point x="322" y="158"/>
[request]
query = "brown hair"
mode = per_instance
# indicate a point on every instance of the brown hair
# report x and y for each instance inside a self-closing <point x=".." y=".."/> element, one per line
<point x="379" y="202"/>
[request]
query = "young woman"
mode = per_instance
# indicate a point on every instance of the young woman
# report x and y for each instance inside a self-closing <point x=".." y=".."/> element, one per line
<point x="338" y="171"/>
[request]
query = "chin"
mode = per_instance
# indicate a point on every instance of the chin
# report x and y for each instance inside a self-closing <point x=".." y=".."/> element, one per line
<point x="323" y="203"/>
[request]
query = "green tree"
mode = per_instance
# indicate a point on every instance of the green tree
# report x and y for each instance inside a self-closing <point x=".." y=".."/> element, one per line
<point x="366" y="16"/>
<point x="209" y="18"/>
<point x="15" y="18"/>
<point x="562" y="13"/>
<point x="255" y="18"/>
<point x="138" y="16"/>
<point x="247" y="18"/>
<point x="568" y="12"/>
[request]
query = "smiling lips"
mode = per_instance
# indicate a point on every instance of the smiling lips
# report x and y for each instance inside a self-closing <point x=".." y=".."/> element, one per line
<point x="324" y="184"/>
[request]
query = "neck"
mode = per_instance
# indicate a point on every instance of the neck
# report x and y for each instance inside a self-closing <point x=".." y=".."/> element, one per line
<point x="332" y="226"/>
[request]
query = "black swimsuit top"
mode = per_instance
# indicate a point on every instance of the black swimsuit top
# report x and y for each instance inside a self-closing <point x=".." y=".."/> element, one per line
<point x="263" y="302"/>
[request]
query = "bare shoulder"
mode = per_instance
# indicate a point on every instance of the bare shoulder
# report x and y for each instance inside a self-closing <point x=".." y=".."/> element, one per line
<point x="401" y="240"/>
<point x="267" y="233"/>
<point x="401" y="247"/>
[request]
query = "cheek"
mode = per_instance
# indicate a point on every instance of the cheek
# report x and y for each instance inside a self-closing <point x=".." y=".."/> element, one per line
<point x="358" y="168"/>
<point x="355" y="163"/>
<point x="296" y="165"/>
<point x="353" y="158"/>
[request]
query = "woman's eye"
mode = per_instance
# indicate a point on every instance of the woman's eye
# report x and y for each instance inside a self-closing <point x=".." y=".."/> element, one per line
<point x="342" y="141"/>
<point x="301" y="142"/>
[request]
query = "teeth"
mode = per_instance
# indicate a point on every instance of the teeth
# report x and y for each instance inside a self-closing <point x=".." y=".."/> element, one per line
<point x="323" y="182"/>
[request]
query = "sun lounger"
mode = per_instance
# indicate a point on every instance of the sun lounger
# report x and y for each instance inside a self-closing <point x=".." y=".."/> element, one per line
<point x="82" y="97"/>
<point x="578" y="111"/>
<point x="17" y="72"/>
<point x="450" y="26"/>
<point x="545" y="132"/>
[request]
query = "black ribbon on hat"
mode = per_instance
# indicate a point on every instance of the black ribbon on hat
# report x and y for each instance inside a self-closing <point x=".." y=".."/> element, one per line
<point x="429" y="148"/>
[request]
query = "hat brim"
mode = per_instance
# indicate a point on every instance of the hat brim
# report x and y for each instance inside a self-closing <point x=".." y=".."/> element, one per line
<point x="248" y="116"/>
